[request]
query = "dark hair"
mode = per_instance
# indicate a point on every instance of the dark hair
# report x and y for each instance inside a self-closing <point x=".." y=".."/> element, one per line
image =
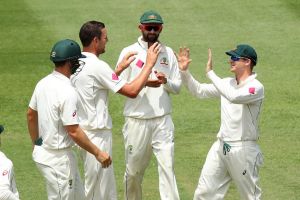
<point x="60" y="63"/>
<point x="252" y="64"/>
<point x="89" y="31"/>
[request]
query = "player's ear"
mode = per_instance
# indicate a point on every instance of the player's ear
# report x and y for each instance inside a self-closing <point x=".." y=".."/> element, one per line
<point x="140" y="27"/>
<point x="248" y="62"/>
<point x="161" y="28"/>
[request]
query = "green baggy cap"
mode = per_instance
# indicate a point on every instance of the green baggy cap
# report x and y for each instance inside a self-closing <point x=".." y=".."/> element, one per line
<point x="65" y="50"/>
<point x="244" y="50"/>
<point x="151" y="17"/>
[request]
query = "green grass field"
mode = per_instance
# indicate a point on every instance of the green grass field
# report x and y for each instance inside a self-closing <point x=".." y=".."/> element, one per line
<point x="29" y="28"/>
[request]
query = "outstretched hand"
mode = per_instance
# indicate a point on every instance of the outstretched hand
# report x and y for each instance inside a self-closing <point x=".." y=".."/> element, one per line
<point x="152" y="54"/>
<point x="128" y="58"/>
<point x="209" y="66"/>
<point x="183" y="58"/>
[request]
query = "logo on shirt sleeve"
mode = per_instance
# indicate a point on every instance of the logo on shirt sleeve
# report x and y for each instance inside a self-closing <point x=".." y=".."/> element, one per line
<point x="139" y="63"/>
<point x="114" y="77"/>
<point x="4" y="173"/>
<point x="252" y="90"/>
<point x="74" y="113"/>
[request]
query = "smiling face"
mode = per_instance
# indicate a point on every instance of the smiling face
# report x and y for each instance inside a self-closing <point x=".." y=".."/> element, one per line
<point x="239" y="64"/>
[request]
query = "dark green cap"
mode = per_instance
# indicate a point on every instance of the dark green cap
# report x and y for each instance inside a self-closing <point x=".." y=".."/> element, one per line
<point x="151" y="17"/>
<point x="65" y="50"/>
<point x="244" y="50"/>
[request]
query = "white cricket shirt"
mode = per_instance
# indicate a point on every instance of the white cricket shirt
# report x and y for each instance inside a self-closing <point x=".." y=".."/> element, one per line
<point x="7" y="179"/>
<point x="55" y="100"/>
<point x="151" y="102"/>
<point x="240" y="104"/>
<point x="93" y="82"/>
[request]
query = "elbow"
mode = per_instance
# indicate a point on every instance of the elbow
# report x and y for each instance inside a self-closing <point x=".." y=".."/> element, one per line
<point x="235" y="100"/>
<point x="132" y="94"/>
<point x="72" y="135"/>
<point x="129" y="91"/>
<point x="72" y="131"/>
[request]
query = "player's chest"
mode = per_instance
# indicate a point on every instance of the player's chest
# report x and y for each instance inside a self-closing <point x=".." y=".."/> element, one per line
<point x="163" y="64"/>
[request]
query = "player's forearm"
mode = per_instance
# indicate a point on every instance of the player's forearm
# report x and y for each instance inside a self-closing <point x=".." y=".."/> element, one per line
<point x="173" y="86"/>
<point x="133" y="88"/>
<point x="80" y="138"/>
<point x="32" y="123"/>
<point x="139" y="83"/>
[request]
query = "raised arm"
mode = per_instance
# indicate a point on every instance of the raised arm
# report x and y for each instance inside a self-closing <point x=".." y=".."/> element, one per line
<point x="125" y="62"/>
<point x="200" y="90"/>
<point x="133" y="88"/>
<point x="243" y="95"/>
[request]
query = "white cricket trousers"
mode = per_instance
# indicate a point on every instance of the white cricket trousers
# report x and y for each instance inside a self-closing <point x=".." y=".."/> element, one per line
<point x="237" y="161"/>
<point x="99" y="182"/>
<point x="142" y="137"/>
<point x="8" y="195"/>
<point x="60" y="170"/>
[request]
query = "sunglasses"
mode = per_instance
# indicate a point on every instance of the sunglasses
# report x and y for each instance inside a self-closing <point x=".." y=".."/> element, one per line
<point x="236" y="58"/>
<point x="152" y="27"/>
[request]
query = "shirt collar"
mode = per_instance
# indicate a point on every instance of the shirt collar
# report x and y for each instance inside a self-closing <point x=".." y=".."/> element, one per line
<point x="250" y="78"/>
<point x="88" y="54"/>
<point x="142" y="43"/>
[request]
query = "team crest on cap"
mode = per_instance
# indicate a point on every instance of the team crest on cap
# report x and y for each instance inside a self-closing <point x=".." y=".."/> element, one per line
<point x="74" y="114"/>
<point x="152" y="17"/>
<point x="53" y="54"/>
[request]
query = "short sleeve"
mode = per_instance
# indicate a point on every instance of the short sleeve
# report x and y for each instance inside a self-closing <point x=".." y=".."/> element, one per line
<point x="108" y="78"/>
<point x="68" y="108"/>
<point x="33" y="100"/>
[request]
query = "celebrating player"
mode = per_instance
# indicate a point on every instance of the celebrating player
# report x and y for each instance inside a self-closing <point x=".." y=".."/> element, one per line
<point x="148" y="124"/>
<point x="235" y="155"/>
<point x="8" y="188"/>
<point x="93" y="82"/>
<point x="53" y="126"/>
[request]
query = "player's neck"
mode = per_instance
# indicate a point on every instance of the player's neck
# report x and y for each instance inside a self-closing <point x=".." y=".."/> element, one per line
<point x="90" y="49"/>
<point x="240" y="77"/>
<point x="65" y="70"/>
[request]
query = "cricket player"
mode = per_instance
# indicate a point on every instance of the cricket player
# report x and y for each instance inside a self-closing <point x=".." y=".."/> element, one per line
<point x="235" y="156"/>
<point x="54" y="127"/>
<point x="8" y="188"/>
<point x="93" y="82"/>
<point x="148" y="124"/>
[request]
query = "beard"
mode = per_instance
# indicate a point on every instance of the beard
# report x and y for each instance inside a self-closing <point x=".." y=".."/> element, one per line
<point x="150" y="37"/>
